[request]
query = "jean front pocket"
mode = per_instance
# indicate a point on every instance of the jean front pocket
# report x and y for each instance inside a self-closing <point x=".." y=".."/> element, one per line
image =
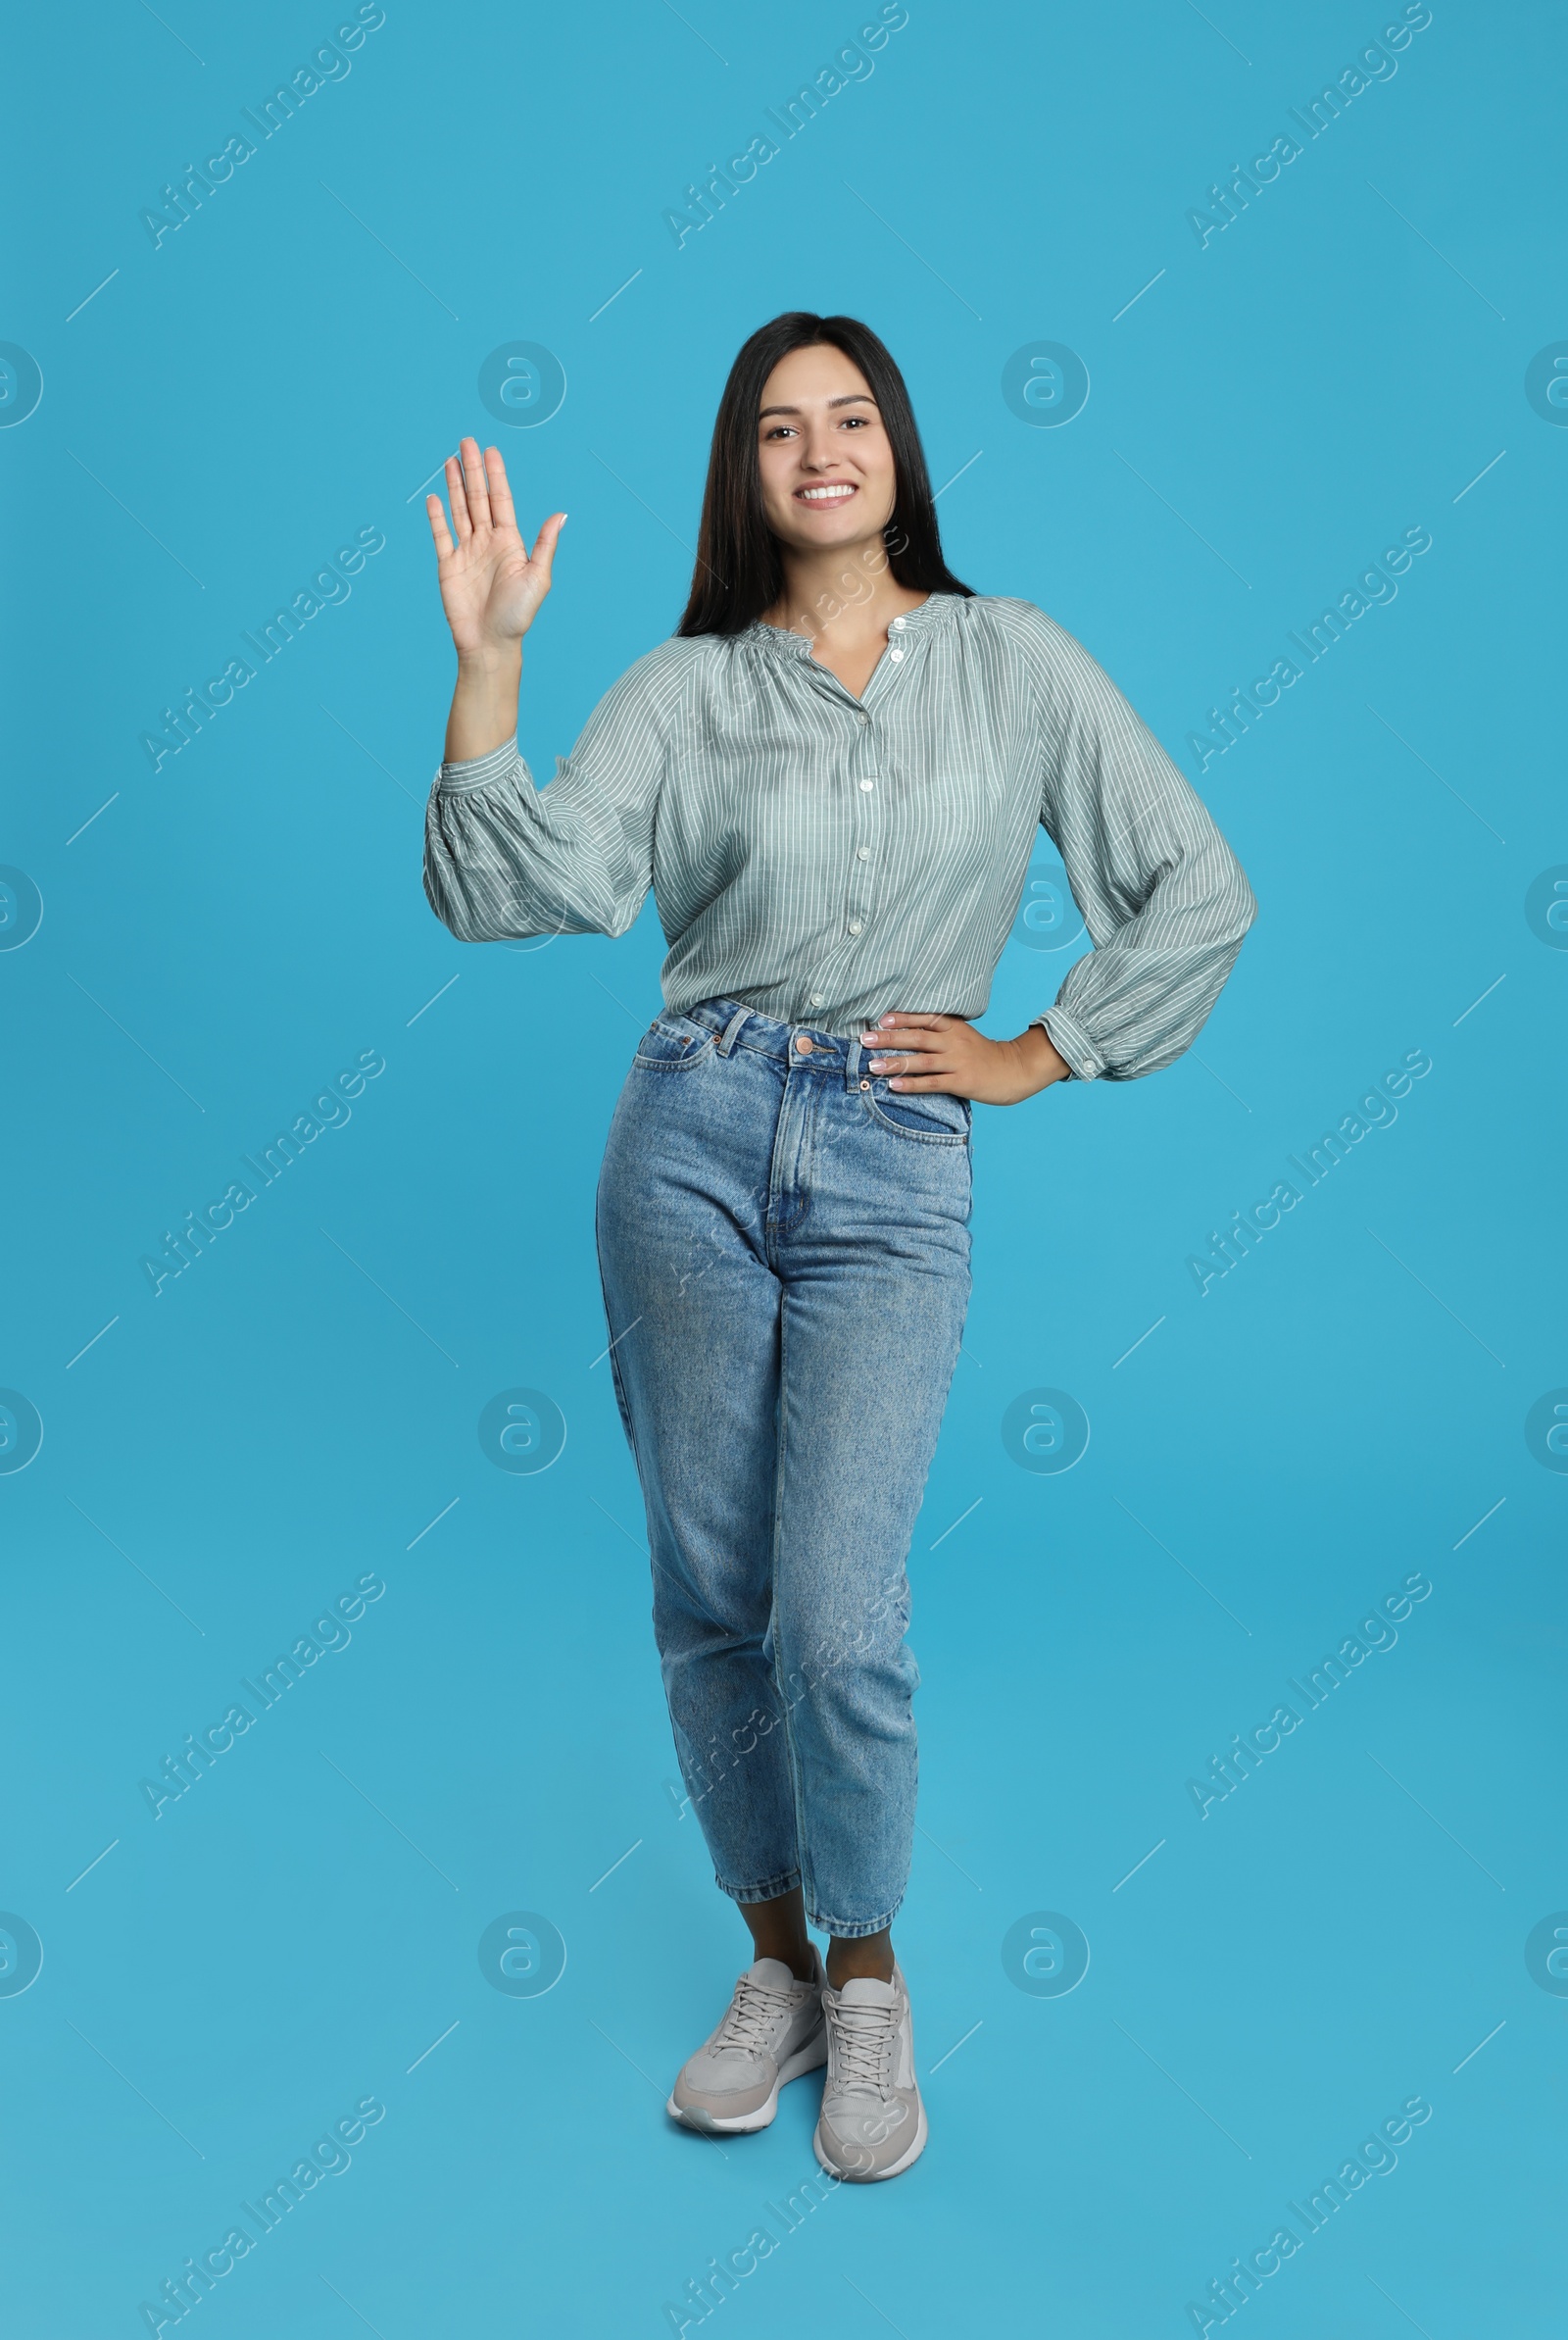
<point x="671" y="1042"/>
<point x="930" y="1117"/>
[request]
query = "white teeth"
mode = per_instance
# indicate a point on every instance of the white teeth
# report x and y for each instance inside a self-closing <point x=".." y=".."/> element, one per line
<point x="825" y="495"/>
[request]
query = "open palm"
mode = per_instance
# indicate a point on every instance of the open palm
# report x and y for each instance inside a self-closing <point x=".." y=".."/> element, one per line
<point x="491" y="584"/>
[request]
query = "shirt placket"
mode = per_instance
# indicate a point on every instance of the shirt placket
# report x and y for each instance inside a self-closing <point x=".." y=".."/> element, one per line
<point x="868" y="825"/>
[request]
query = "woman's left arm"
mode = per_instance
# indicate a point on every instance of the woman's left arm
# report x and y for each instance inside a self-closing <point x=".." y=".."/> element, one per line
<point x="1164" y="897"/>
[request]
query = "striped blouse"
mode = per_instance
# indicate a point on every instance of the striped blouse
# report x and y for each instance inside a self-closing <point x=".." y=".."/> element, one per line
<point x="823" y="858"/>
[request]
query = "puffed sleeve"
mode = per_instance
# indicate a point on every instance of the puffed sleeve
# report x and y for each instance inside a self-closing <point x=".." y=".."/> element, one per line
<point x="504" y="858"/>
<point x="1164" y="897"/>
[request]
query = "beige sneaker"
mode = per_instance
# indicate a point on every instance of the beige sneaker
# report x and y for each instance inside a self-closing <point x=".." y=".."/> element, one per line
<point x="872" y="2122"/>
<point x="772" y="2031"/>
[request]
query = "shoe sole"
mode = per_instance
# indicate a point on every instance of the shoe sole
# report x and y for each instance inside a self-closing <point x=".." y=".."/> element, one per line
<point x="867" y="2178"/>
<point x="693" y="2117"/>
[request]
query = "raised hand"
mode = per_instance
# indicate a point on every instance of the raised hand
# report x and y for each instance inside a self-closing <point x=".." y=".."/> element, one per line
<point x="491" y="584"/>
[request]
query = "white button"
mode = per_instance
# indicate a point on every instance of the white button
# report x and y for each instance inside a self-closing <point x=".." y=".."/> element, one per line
<point x="855" y="926"/>
<point x="897" y="623"/>
<point x="817" y="1000"/>
<point x="894" y="654"/>
<point x="863" y="853"/>
<point x="868" y="786"/>
<point x="864" y="718"/>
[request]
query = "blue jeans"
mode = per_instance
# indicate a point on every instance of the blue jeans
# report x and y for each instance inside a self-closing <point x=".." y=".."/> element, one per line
<point x="784" y="1247"/>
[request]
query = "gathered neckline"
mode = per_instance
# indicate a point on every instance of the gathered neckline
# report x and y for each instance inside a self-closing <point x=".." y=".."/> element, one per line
<point x="924" y="613"/>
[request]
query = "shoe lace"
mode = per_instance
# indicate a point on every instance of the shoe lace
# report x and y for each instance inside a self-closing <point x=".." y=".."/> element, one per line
<point x="864" y="2037"/>
<point x="752" y="2014"/>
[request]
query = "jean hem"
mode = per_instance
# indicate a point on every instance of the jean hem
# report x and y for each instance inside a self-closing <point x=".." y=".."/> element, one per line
<point x="768" y="1891"/>
<point x="845" y="1929"/>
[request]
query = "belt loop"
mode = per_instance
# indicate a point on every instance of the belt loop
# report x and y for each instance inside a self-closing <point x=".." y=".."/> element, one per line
<point x="851" y="1074"/>
<point x="731" y="1031"/>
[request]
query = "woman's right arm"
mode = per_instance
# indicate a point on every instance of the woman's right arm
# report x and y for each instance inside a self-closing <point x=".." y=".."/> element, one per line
<point x="491" y="589"/>
<point x="503" y="860"/>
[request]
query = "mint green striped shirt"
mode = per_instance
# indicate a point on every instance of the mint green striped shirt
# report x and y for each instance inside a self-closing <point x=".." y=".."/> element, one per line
<point x="823" y="858"/>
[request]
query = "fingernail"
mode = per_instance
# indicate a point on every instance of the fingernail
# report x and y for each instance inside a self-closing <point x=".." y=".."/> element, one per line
<point x="884" y="1019"/>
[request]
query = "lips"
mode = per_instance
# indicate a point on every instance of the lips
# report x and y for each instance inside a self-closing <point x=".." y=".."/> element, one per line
<point x="827" y="495"/>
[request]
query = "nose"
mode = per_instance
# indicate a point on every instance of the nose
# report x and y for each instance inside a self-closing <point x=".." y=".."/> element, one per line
<point x="818" y="453"/>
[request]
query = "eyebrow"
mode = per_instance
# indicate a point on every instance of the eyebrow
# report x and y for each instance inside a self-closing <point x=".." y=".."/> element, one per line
<point x="850" y="398"/>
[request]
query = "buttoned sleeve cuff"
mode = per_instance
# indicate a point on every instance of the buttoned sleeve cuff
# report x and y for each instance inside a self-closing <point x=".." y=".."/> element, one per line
<point x="1070" y="1042"/>
<point x="478" y="772"/>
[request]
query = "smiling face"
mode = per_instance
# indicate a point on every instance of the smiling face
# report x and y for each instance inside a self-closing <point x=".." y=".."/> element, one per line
<point x="827" y="472"/>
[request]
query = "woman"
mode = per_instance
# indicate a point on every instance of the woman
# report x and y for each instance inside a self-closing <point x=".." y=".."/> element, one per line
<point x="832" y="777"/>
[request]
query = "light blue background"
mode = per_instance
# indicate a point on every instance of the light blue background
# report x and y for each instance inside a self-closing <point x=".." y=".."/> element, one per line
<point x="290" y="366"/>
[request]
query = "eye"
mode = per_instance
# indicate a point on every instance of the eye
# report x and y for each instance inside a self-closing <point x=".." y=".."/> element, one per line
<point x="857" y="421"/>
<point x="779" y="430"/>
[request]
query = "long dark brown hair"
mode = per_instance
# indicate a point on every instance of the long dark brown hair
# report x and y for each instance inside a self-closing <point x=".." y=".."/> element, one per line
<point x="739" y="570"/>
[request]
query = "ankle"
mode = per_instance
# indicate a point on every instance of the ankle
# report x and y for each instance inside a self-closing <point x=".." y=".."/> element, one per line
<point x="777" y="1928"/>
<point x="858" y="1961"/>
<point x="797" y="1955"/>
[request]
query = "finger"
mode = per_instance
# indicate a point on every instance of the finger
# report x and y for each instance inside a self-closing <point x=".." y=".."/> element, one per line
<point x="478" y="486"/>
<point x="500" y="492"/>
<point x="435" y="512"/>
<point x="544" y="546"/>
<point x="907" y="1043"/>
<point x="458" y="498"/>
<point x="923" y="1022"/>
<point x="944" y="1081"/>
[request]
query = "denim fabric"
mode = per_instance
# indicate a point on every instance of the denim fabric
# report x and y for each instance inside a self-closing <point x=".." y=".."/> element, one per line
<point x="784" y="1246"/>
